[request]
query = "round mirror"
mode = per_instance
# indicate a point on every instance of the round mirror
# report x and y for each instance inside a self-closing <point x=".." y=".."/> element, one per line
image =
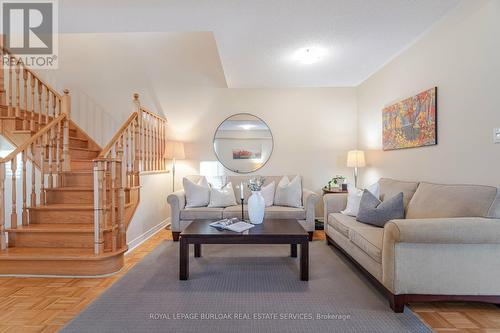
<point x="243" y="143"/>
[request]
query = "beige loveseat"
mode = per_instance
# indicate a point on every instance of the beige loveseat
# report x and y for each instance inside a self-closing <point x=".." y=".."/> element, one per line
<point x="447" y="248"/>
<point x="182" y="216"/>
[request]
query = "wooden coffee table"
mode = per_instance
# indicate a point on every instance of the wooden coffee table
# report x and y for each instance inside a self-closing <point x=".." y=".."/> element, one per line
<point x="286" y="231"/>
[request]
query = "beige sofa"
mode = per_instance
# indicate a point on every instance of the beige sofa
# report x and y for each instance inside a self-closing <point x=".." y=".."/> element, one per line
<point x="447" y="248"/>
<point x="182" y="216"/>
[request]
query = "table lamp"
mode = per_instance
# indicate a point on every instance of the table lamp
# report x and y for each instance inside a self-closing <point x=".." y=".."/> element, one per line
<point x="356" y="159"/>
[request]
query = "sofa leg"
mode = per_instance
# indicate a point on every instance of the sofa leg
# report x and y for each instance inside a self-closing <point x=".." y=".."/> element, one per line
<point x="397" y="303"/>
<point x="175" y="235"/>
<point x="310" y="235"/>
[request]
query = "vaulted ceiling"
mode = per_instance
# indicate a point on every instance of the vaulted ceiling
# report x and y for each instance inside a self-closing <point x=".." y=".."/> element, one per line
<point x="256" y="39"/>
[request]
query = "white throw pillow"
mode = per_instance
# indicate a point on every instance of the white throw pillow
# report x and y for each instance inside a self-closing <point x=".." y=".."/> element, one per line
<point x="223" y="197"/>
<point x="354" y="198"/>
<point x="268" y="193"/>
<point x="197" y="194"/>
<point x="289" y="193"/>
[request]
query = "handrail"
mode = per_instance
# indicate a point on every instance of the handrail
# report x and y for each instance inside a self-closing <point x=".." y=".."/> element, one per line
<point x="32" y="73"/>
<point x="49" y="146"/>
<point x="33" y="139"/>
<point x="153" y="114"/>
<point x="138" y="145"/>
<point x="107" y="149"/>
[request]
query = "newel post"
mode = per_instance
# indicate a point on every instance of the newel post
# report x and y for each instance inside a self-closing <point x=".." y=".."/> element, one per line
<point x="66" y="109"/>
<point x="99" y="205"/>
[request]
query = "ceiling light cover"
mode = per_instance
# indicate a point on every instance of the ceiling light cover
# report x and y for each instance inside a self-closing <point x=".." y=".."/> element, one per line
<point x="310" y="55"/>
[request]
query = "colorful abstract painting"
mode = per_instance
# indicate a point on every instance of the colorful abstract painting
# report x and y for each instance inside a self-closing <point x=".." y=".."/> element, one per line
<point x="411" y="122"/>
<point x="246" y="154"/>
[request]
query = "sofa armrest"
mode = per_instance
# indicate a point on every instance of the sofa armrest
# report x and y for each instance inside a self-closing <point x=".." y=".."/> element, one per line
<point x="465" y="230"/>
<point x="309" y="199"/>
<point x="333" y="203"/>
<point x="406" y="240"/>
<point x="177" y="201"/>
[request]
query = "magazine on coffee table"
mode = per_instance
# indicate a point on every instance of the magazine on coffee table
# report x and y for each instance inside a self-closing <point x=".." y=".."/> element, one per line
<point x="233" y="224"/>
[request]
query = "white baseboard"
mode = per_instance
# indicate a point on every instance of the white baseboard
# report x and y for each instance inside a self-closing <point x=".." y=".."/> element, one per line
<point x="145" y="236"/>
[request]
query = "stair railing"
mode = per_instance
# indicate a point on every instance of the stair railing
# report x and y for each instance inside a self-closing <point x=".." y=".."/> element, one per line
<point x="139" y="145"/>
<point x="26" y="95"/>
<point x="48" y="148"/>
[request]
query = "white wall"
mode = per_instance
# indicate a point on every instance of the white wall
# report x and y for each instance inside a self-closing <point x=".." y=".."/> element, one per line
<point x="461" y="56"/>
<point x="153" y="209"/>
<point x="313" y="128"/>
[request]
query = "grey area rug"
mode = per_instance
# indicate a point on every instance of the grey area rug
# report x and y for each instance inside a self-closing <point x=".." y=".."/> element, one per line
<point x="243" y="288"/>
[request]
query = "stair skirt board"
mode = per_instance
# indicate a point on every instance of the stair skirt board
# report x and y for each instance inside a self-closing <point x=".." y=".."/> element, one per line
<point x="145" y="236"/>
<point x="108" y="266"/>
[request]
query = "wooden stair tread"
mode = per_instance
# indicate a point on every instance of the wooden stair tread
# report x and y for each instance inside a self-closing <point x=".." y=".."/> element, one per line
<point x="56" y="227"/>
<point x="63" y="207"/>
<point x="85" y="149"/>
<point x="77" y="138"/>
<point x="23" y="132"/>
<point x="44" y="253"/>
<point x="72" y="188"/>
<point x="71" y="206"/>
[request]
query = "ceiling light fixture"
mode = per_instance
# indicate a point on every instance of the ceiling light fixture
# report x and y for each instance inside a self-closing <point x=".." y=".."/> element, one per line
<point x="309" y="55"/>
<point x="247" y="126"/>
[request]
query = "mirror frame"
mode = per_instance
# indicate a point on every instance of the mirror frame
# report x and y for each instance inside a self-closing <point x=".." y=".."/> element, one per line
<point x="272" y="143"/>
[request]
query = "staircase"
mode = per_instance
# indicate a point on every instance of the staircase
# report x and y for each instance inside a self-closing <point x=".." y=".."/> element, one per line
<point x="79" y="198"/>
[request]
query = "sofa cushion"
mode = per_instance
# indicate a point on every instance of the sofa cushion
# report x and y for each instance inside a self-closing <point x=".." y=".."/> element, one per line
<point x="378" y="213"/>
<point x="369" y="239"/>
<point x="201" y="213"/>
<point x="197" y="192"/>
<point x="223" y="197"/>
<point x="234" y="211"/>
<point x="391" y="187"/>
<point x="281" y="212"/>
<point x="342" y="223"/>
<point x="237" y="180"/>
<point x="289" y="192"/>
<point x="439" y="200"/>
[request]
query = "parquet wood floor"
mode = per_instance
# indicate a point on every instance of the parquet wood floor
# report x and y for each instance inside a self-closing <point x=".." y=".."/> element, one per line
<point x="46" y="304"/>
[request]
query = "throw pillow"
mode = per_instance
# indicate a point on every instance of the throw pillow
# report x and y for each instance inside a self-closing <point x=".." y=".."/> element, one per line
<point x="378" y="213"/>
<point x="354" y="198"/>
<point x="197" y="194"/>
<point x="223" y="197"/>
<point x="268" y="193"/>
<point x="289" y="193"/>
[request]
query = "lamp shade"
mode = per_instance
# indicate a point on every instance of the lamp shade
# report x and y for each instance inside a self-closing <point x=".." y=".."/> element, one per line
<point x="174" y="150"/>
<point x="356" y="159"/>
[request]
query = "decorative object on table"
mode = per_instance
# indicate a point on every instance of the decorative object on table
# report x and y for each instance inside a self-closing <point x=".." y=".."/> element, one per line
<point x="333" y="190"/>
<point x="411" y="122"/>
<point x="336" y="183"/>
<point x="242" y="199"/>
<point x="233" y="224"/>
<point x="356" y="159"/>
<point x="256" y="202"/>
<point x="243" y="143"/>
<point x="174" y="151"/>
